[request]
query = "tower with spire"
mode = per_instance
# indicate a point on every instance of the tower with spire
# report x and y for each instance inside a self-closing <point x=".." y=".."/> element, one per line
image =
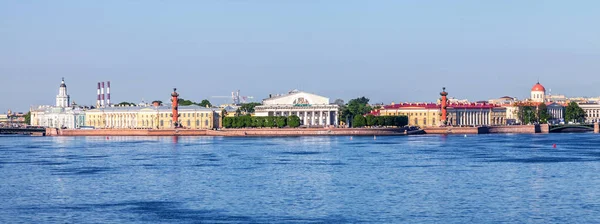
<point x="63" y="99"/>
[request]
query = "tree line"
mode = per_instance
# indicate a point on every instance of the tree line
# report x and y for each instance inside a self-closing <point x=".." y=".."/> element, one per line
<point x="539" y="114"/>
<point x="371" y="120"/>
<point x="247" y="121"/>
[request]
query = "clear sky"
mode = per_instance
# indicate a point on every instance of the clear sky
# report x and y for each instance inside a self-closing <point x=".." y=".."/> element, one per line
<point x="385" y="50"/>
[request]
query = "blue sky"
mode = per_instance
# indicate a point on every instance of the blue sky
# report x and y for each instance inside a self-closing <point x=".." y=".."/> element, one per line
<point x="384" y="50"/>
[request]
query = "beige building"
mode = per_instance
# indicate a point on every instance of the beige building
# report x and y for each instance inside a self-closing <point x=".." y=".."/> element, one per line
<point x="429" y="114"/>
<point x="191" y="117"/>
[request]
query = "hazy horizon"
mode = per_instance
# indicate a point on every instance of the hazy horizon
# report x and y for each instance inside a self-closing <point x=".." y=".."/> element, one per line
<point x="387" y="50"/>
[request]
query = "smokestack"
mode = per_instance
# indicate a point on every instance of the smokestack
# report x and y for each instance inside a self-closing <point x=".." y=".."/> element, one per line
<point x="108" y="94"/>
<point x="102" y="95"/>
<point x="98" y="95"/>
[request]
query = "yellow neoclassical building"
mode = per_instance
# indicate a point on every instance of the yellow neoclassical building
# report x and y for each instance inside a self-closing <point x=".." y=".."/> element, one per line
<point x="192" y="117"/>
<point x="429" y="114"/>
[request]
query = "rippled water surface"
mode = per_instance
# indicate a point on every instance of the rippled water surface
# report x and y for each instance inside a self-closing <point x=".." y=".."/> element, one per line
<point x="407" y="179"/>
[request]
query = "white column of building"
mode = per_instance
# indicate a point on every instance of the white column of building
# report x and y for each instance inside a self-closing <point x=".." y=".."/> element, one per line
<point x="328" y="119"/>
<point x="312" y="119"/>
<point x="336" y="118"/>
<point x="304" y="117"/>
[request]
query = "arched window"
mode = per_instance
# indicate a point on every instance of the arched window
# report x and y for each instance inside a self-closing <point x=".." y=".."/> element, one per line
<point x="424" y="121"/>
<point x="206" y="123"/>
<point x="162" y="124"/>
<point x="432" y="121"/>
<point x="189" y="123"/>
<point x="197" y="123"/>
<point x="416" y="121"/>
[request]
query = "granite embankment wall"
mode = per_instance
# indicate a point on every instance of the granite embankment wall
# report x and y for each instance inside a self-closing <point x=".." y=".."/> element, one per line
<point x="130" y="132"/>
<point x="516" y="129"/>
<point x="452" y="130"/>
<point x="308" y="132"/>
<point x="232" y="132"/>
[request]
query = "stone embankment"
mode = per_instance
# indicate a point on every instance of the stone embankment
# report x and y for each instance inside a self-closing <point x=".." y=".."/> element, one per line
<point x="130" y="132"/>
<point x="516" y="129"/>
<point x="235" y="132"/>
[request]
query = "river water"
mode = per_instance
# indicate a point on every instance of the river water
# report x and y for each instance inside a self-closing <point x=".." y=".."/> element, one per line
<point x="401" y="179"/>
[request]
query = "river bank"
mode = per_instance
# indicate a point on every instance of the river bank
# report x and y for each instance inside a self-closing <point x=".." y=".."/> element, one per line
<point x="237" y="132"/>
<point x="267" y="132"/>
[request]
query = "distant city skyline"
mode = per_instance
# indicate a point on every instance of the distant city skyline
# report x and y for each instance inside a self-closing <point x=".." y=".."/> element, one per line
<point x="388" y="51"/>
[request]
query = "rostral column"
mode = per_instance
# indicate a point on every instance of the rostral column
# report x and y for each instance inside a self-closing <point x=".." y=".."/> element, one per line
<point x="174" y="99"/>
<point x="444" y="105"/>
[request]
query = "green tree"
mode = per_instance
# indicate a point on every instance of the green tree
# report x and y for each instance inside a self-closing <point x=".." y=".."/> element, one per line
<point x="526" y="114"/>
<point x="293" y="121"/>
<point x="28" y="118"/>
<point x="358" y="106"/>
<point x="380" y="120"/>
<point x="359" y="121"/>
<point x="400" y="121"/>
<point x="574" y="113"/>
<point x="389" y="121"/>
<point x="205" y="103"/>
<point x="371" y="120"/>
<point x="125" y="104"/>
<point x="248" y="108"/>
<point x="281" y="122"/>
<point x="227" y="122"/>
<point x="259" y="122"/>
<point x="542" y="113"/>
<point x="184" y="102"/>
<point x="238" y="112"/>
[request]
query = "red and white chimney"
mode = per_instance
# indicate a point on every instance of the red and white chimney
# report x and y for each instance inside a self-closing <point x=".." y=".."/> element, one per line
<point x="108" y="94"/>
<point x="98" y="96"/>
<point x="102" y="95"/>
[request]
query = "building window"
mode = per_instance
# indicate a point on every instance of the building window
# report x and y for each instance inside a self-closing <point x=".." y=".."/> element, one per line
<point x="162" y="124"/>
<point x="424" y="121"/>
<point x="206" y="123"/>
<point x="197" y="123"/>
<point x="189" y="123"/>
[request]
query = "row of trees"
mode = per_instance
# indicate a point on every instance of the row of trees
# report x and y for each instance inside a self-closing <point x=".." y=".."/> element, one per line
<point x="371" y="120"/>
<point x="533" y="114"/>
<point x="248" y="121"/>
<point x="539" y="114"/>
<point x="184" y="102"/>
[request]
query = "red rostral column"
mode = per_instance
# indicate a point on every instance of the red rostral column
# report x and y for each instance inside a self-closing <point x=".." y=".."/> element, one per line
<point x="444" y="106"/>
<point x="174" y="99"/>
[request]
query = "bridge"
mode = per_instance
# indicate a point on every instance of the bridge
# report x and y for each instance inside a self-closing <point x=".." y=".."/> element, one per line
<point x="571" y="128"/>
<point x="23" y="131"/>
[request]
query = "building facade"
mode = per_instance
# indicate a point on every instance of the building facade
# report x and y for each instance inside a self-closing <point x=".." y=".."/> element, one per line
<point x="313" y="110"/>
<point x="158" y="117"/>
<point x="429" y="114"/>
<point x="61" y="115"/>
<point x="592" y="112"/>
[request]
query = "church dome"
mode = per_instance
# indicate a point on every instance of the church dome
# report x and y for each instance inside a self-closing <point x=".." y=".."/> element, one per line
<point x="538" y="87"/>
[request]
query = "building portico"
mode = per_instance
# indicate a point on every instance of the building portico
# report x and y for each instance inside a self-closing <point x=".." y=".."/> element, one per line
<point x="313" y="110"/>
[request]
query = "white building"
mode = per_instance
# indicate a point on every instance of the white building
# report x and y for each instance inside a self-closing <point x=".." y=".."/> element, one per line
<point x="556" y="112"/>
<point x="592" y="112"/>
<point x="62" y="115"/>
<point x="313" y="110"/>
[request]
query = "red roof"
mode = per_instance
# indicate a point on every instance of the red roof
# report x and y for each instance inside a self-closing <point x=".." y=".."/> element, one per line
<point x="538" y="87"/>
<point x="438" y="106"/>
